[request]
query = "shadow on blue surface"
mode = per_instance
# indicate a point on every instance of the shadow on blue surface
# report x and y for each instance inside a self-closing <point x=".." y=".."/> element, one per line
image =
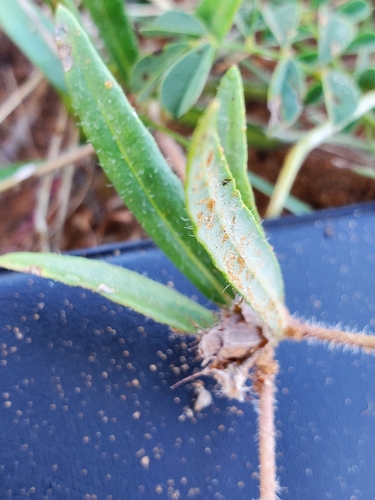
<point x="87" y="411"/>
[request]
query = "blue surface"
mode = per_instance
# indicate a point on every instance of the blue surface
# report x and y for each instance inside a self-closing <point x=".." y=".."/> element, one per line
<point x="81" y="408"/>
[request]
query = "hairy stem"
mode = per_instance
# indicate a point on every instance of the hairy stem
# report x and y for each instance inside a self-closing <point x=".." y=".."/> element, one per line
<point x="267" y="370"/>
<point x="303" y="331"/>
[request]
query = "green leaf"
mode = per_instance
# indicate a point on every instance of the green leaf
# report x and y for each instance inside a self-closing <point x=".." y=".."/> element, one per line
<point x="285" y="94"/>
<point x="335" y="34"/>
<point x="309" y="58"/>
<point x="186" y="79"/>
<point x="317" y="3"/>
<point x="175" y="22"/>
<point x="356" y="11"/>
<point x="248" y="19"/>
<point x="362" y="41"/>
<point x="131" y="158"/>
<point x="314" y="94"/>
<point x="282" y="20"/>
<point x="340" y="96"/>
<point x="218" y="15"/>
<point x="125" y="287"/>
<point x="228" y="230"/>
<point x="231" y="125"/>
<point x="33" y="33"/>
<point x="116" y="32"/>
<point x="148" y="71"/>
<point x="71" y="6"/>
<point x="366" y="80"/>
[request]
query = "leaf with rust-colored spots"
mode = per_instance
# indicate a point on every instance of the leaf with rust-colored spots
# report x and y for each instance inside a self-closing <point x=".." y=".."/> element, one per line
<point x="228" y="230"/>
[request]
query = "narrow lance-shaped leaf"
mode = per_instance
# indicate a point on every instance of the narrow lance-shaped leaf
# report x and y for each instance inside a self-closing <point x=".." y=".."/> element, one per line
<point x="186" y="79"/>
<point x="228" y="229"/>
<point x="231" y="126"/>
<point x="218" y="15"/>
<point x="27" y="26"/>
<point x="116" y="32"/>
<point x="125" y="287"/>
<point x="131" y="158"/>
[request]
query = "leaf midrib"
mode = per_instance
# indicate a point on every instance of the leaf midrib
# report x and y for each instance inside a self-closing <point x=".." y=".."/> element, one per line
<point x="223" y="226"/>
<point x="187" y="250"/>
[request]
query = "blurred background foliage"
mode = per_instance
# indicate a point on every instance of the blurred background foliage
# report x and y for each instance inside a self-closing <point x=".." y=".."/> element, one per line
<point x="309" y="84"/>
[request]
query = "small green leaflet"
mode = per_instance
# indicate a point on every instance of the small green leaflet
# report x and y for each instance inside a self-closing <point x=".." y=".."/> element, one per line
<point x="285" y="94"/>
<point x="282" y="20"/>
<point x="148" y="71"/>
<point x="175" y="22"/>
<point x="218" y="15"/>
<point x="186" y="79"/>
<point x="335" y="34"/>
<point x="340" y="95"/>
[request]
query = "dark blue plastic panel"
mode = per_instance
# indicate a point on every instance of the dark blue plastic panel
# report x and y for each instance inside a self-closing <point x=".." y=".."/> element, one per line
<point x="86" y="406"/>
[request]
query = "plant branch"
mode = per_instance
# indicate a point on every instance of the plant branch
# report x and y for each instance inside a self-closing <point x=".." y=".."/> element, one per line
<point x="303" y="331"/>
<point x="299" y="152"/>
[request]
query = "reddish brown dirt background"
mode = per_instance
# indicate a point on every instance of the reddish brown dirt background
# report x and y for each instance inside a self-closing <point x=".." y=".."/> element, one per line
<point x="96" y="215"/>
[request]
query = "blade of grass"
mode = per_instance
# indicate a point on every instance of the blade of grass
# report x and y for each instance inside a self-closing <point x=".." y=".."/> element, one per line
<point x="125" y="287"/>
<point x="131" y="158"/>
